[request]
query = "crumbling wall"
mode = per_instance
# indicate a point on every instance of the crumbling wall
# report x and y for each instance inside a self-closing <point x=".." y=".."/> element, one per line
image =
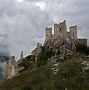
<point x="82" y="41"/>
<point x="73" y="32"/>
<point x="60" y="29"/>
<point x="48" y="33"/>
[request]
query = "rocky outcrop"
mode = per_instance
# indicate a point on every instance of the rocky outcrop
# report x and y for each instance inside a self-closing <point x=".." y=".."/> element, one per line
<point x="10" y="67"/>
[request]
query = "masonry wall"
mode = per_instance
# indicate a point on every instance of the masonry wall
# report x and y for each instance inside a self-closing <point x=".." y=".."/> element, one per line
<point x="73" y="32"/>
<point x="60" y="29"/>
<point x="82" y="41"/>
<point x="48" y="33"/>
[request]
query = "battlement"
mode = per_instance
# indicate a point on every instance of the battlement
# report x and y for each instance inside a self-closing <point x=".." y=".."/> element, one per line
<point x="56" y="25"/>
<point x="73" y="27"/>
<point x="60" y="31"/>
<point x="48" y="28"/>
<point x="62" y="23"/>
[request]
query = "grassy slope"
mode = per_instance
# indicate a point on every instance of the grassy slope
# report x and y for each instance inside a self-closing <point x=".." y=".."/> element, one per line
<point x="70" y="77"/>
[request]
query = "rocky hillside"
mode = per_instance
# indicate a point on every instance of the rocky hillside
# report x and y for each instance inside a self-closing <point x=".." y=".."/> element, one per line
<point x="70" y="74"/>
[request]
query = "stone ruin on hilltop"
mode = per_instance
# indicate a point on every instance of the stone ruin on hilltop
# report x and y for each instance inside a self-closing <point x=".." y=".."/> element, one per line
<point x="61" y="43"/>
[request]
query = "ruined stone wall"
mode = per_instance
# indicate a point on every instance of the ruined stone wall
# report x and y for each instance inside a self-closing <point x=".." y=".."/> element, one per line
<point x="73" y="32"/>
<point x="48" y="33"/>
<point x="82" y="41"/>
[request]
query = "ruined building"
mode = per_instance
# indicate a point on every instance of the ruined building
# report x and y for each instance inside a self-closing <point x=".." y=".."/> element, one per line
<point x="62" y="42"/>
<point x="60" y="31"/>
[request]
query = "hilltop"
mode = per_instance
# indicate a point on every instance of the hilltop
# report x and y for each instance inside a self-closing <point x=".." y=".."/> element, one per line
<point x="71" y="74"/>
<point x="61" y="63"/>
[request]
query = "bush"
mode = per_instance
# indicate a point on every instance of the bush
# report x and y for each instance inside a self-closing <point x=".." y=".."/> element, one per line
<point x="43" y="57"/>
<point x="26" y="63"/>
<point x="81" y="48"/>
<point x="26" y="88"/>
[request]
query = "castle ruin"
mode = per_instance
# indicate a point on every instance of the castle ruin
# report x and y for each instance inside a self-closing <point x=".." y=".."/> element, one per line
<point x="61" y="44"/>
<point x="60" y="31"/>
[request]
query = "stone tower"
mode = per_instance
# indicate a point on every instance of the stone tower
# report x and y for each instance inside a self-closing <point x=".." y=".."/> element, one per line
<point x="60" y="29"/>
<point x="48" y="33"/>
<point x="21" y="55"/>
<point x="73" y="32"/>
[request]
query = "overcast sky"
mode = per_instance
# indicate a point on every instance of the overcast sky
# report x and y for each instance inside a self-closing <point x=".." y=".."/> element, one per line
<point x="22" y="22"/>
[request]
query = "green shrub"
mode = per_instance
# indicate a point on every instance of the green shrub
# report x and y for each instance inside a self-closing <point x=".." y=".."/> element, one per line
<point x="26" y="87"/>
<point x="26" y="63"/>
<point x="81" y="48"/>
<point x="43" y="57"/>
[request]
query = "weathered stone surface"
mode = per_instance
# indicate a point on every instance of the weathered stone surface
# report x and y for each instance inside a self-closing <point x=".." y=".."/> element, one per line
<point x="10" y="68"/>
<point x="61" y="42"/>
